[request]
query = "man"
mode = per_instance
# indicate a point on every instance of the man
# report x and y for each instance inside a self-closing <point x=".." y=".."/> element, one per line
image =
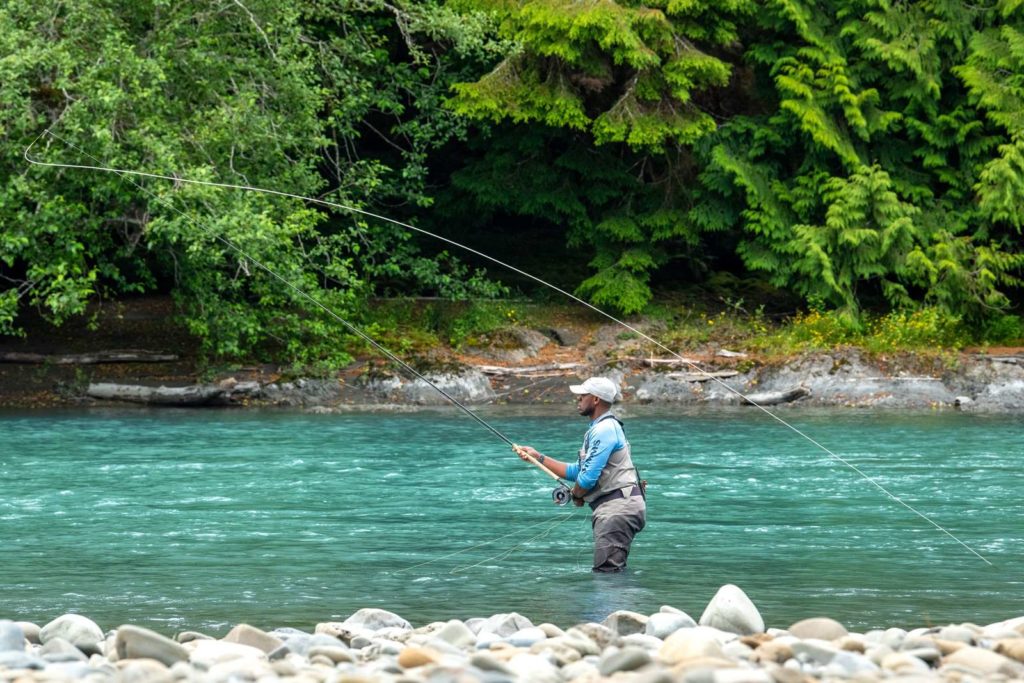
<point x="604" y="475"/>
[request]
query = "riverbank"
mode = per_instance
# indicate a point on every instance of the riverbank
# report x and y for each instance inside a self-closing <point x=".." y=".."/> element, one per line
<point x="135" y="355"/>
<point x="729" y="643"/>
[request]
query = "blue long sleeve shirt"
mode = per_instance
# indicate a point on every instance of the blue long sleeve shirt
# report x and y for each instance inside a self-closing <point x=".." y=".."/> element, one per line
<point x="603" y="438"/>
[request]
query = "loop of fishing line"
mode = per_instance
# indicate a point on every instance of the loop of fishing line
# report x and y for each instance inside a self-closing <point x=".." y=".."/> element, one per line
<point x="125" y="173"/>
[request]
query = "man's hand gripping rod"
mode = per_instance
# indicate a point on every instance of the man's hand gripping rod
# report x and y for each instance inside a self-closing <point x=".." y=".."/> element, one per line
<point x="561" y="493"/>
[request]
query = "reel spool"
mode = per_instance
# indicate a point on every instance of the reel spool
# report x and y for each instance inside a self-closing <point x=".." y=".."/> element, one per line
<point x="560" y="495"/>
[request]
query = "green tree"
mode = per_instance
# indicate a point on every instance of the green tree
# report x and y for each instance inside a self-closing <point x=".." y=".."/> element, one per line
<point x="323" y="99"/>
<point x="630" y="87"/>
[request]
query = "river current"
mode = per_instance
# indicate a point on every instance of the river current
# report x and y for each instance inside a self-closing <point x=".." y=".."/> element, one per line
<point x="182" y="519"/>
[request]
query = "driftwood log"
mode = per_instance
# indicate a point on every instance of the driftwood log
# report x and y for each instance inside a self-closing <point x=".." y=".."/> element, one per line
<point x="655" y="362"/>
<point x="770" y="398"/>
<point x="126" y="356"/>
<point x="196" y="395"/>
<point x="530" y="371"/>
<point x="702" y="376"/>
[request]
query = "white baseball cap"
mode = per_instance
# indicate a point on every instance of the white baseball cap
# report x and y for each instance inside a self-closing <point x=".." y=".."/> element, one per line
<point x="602" y="387"/>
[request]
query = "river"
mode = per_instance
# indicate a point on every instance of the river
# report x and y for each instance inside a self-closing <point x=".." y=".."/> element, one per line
<point x="181" y="519"/>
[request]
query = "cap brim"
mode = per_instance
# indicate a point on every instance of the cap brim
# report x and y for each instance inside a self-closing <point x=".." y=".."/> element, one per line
<point x="578" y="389"/>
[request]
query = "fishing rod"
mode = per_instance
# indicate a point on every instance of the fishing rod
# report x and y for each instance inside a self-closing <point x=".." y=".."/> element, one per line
<point x="125" y="173"/>
<point x="561" y="494"/>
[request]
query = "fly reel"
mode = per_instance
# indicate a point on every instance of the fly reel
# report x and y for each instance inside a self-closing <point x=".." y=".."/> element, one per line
<point x="560" y="495"/>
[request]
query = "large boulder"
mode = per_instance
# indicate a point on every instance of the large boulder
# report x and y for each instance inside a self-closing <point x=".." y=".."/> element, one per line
<point x="731" y="610"/>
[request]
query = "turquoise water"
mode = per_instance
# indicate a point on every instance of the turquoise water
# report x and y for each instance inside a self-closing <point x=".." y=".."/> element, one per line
<point x="204" y="519"/>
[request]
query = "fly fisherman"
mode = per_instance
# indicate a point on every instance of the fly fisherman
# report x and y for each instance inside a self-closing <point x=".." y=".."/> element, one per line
<point x="604" y="475"/>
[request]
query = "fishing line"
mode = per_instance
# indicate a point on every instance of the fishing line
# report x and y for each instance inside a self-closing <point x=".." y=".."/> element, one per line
<point x="485" y="543"/>
<point x="505" y="553"/>
<point x="351" y="209"/>
<point x="125" y="175"/>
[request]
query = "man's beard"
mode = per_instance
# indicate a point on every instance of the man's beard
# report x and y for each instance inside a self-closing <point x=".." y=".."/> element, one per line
<point x="587" y="412"/>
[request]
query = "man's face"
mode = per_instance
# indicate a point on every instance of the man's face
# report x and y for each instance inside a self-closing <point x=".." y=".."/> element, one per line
<point x="585" y="404"/>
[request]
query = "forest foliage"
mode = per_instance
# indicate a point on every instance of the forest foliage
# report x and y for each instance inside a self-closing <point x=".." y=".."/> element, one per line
<point x="861" y="155"/>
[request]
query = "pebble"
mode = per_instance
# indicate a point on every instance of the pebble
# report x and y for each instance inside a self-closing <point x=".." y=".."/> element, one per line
<point x="730" y="646"/>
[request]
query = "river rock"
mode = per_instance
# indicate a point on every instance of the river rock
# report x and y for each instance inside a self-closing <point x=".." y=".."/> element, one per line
<point x="526" y="637"/>
<point x="737" y="650"/>
<point x="558" y="650"/>
<point x="60" y="650"/>
<point x="985" y="661"/>
<point x="80" y="631"/>
<point x="626" y="659"/>
<point x="243" y="634"/>
<point x="143" y="671"/>
<point x="642" y="640"/>
<point x="412" y="657"/>
<point x="740" y="676"/>
<point x="135" y="642"/>
<point x="904" y="664"/>
<point x="239" y="669"/>
<point x="550" y="630"/>
<point x="189" y="636"/>
<point x="208" y="653"/>
<point x="485" y="661"/>
<point x="581" y="642"/>
<point x="777" y="650"/>
<point x="373" y="619"/>
<point x="530" y="668"/>
<point x="894" y="637"/>
<point x="731" y="610"/>
<point x="624" y="622"/>
<point x="504" y="625"/>
<point x="663" y="624"/>
<point x="1012" y="648"/>
<point x="849" y="665"/>
<point x="961" y="634"/>
<point x="821" y="628"/>
<point x="456" y="633"/>
<point x="599" y="633"/>
<point x="690" y="643"/>
<point x="336" y="653"/>
<point x="582" y="670"/>
<point x="31" y="631"/>
<point x="12" y="637"/>
<point x="812" y="650"/>
<point x="13" y="659"/>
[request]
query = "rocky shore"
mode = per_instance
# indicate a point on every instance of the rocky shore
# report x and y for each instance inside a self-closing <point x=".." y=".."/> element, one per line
<point x="730" y="643"/>
<point x="528" y="365"/>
